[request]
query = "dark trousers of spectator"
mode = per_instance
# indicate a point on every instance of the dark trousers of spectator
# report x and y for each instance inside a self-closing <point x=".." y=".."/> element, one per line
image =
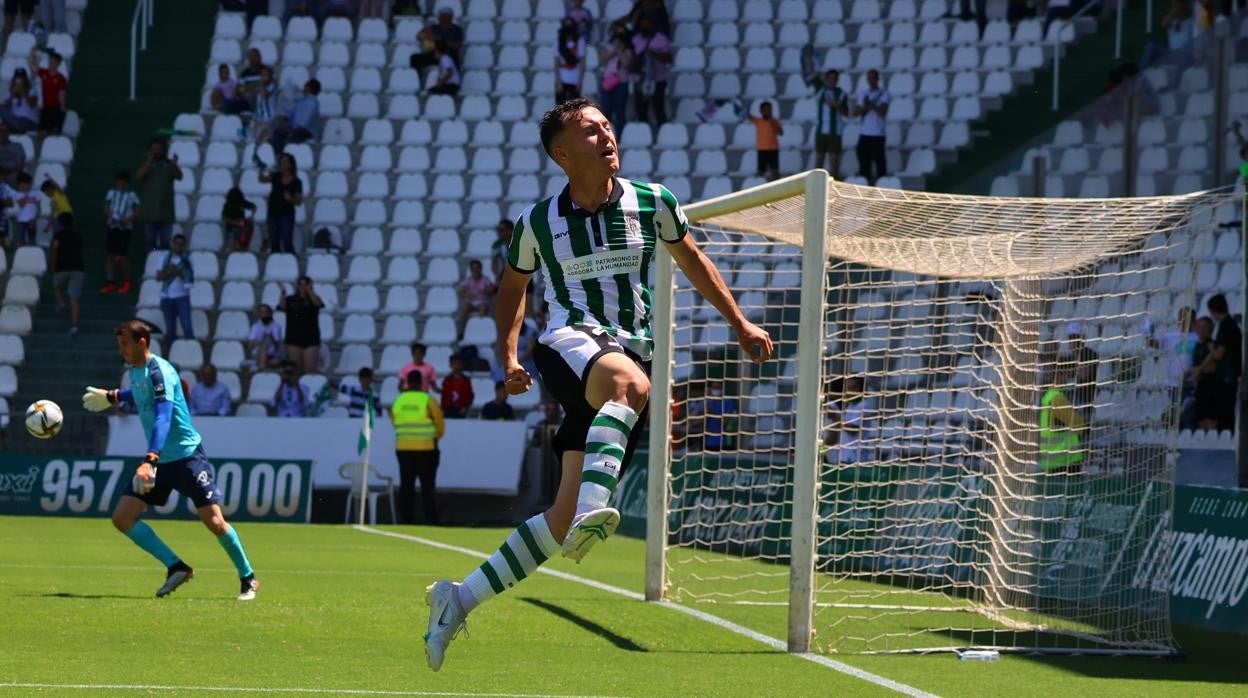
<point x="158" y="235"/>
<point x="423" y="465"/>
<point x="452" y="412"/>
<point x="655" y="102"/>
<point x="615" y="105"/>
<point x="976" y="10"/>
<point x="449" y="88"/>
<point x="255" y="8"/>
<point x="177" y="309"/>
<point x="870" y="151"/>
<point x="422" y="60"/>
<point x="566" y="92"/>
<point x="282" y="232"/>
<point x="288" y="134"/>
<point x="238" y="105"/>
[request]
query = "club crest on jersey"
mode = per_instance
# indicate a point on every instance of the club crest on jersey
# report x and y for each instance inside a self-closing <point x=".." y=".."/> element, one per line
<point x="633" y="224"/>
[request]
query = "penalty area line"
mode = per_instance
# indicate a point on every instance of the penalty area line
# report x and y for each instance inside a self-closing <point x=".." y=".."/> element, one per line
<point x="728" y="625"/>
<point x="255" y="689"/>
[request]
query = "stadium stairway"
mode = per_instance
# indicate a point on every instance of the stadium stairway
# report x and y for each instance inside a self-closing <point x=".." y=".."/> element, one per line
<point x="114" y="135"/>
<point x="1029" y="110"/>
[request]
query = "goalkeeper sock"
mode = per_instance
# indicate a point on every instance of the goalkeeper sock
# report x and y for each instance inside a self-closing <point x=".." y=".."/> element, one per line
<point x="523" y="552"/>
<point x="144" y="537"/>
<point x="234" y="548"/>
<point x="605" y="444"/>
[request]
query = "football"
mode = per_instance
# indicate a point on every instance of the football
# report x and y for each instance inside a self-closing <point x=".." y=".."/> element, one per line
<point x="44" y="419"/>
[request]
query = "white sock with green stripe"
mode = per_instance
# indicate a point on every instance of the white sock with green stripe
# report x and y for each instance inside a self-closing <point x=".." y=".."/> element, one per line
<point x="604" y="452"/>
<point x="524" y="551"/>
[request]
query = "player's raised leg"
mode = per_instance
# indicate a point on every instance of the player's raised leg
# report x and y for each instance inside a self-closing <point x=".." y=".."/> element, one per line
<point x="228" y="539"/>
<point x="126" y="519"/>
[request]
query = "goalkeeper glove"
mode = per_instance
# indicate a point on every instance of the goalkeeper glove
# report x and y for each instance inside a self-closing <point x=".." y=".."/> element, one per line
<point x="144" y="482"/>
<point x="98" y="399"/>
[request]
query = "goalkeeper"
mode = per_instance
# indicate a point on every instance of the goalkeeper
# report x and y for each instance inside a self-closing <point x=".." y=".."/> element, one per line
<point x="175" y="460"/>
<point x="595" y="243"/>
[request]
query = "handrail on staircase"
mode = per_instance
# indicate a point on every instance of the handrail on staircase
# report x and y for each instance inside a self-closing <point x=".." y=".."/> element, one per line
<point x="1057" y="45"/>
<point x="139" y="22"/>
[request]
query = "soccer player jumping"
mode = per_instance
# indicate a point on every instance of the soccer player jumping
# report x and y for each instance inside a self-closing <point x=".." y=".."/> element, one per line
<point x="155" y="393"/>
<point x="596" y="243"/>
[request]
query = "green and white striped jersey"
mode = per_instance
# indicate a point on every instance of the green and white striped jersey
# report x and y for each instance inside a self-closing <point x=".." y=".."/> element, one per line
<point x="597" y="264"/>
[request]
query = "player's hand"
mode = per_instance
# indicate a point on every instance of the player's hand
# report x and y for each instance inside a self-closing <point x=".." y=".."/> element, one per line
<point x="144" y="478"/>
<point x="755" y="341"/>
<point x="96" y="400"/>
<point x="517" y="379"/>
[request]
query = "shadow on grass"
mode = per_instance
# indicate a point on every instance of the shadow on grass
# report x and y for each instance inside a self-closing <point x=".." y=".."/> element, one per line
<point x="68" y="595"/>
<point x="619" y="641"/>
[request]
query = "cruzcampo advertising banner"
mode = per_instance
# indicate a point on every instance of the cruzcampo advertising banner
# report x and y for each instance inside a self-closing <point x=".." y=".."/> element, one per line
<point x="253" y="490"/>
<point x="926" y="520"/>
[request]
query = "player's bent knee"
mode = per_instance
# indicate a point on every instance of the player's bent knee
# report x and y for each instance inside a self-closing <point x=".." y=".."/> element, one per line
<point x="635" y="391"/>
<point x="217" y="525"/>
<point x="122" y="522"/>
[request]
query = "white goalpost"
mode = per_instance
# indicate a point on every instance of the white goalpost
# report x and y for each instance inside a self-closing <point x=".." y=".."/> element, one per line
<point x="965" y="439"/>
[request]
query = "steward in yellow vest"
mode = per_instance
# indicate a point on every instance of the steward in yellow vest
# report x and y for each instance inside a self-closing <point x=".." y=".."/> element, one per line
<point x="1060" y="428"/>
<point x="418" y="425"/>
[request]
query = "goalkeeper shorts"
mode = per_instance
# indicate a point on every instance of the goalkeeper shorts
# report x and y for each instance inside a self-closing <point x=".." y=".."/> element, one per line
<point x="193" y="476"/>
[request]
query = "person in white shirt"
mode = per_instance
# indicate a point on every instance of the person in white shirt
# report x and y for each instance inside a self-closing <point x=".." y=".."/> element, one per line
<point x="448" y="73"/>
<point x="265" y="340"/>
<point x="210" y="397"/>
<point x="569" y="61"/>
<point x="872" y="106"/>
<point x="851" y="425"/>
<point x="176" y="277"/>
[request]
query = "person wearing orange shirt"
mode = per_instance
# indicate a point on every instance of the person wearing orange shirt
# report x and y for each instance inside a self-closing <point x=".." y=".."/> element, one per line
<point x="767" y="130"/>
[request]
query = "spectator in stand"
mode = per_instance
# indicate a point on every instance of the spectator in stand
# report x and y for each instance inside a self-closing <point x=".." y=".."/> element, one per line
<point x="1179" y="24"/>
<point x="264" y="115"/>
<point x="767" y="132"/>
<point x="1243" y="153"/>
<point x="653" y="10"/>
<point x="285" y="193"/>
<point x="406" y="8"/>
<point x="301" y="122"/>
<point x="358" y="394"/>
<point x="210" y="398"/>
<point x="830" y="122"/>
<point x="418" y="425"/>
<point x="156" y="177"/>
<point x="291" y="399"/>
<point x="58" y="203"/>
<point x="569" y="61"/>
<point x="444" y="30"/>
<point x="719" y="418"/>
<point x="20" y="111"/>
<point x="428" y="374"/>
<point x="121" y="206"/>
<point x="1085" y="363"/>
<point x="581" y="17"/>
<point x="51" y="14"/>
<point x="226" y="96"/>
<point x="339" y="8"/>
<point x="27" y="204"/>
<point x="873" y="108"/>
<point x="1225" y="362"/>
<point x="236" y="221"/>
<point x="457" y="395"/>
<point x="498" y="250"/>
<point x="1201" y="375"/>
<point x="303" y="327"/>
<point x="265" y="340"/>
<point x="976" y="10"/>
<point x="12" y="157"/>
<point x="474" y="296"/>
<point x="850" y="421"/>
<point x="1018" y="10"/>
<point x="249" y="77"/>
<point x="615" y="60"/>
<point x="17" y="14"/>
<point x="1179" y="346"/>
<point x="497" y="410"/>
<point x="449" y="78"/>
<point x="68" y="268"/>
<point x="53" y="87"/>
<point x="375" y="9"/>
<point x="302" y="8"/>
<point x="176" y="277"/>
<point x="651" y="65"/>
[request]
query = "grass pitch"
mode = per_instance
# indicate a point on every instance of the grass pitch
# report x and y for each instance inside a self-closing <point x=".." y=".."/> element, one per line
<point x="342" y="610"/>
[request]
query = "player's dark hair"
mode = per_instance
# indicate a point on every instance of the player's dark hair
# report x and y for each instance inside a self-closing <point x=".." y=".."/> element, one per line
<point x="556" y="118"/>
<point x="314" y="86"/>
<point x="365" y="372"/>
<point x="136" y="329"/>
<point x="48" y="185"/>
<point x="24" y="178"/>
<point x="122" y="176"/>
<point x="1217" y="304"/>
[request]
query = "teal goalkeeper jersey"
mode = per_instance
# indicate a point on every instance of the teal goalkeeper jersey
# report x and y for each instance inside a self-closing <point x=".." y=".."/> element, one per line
<point x="159" y="382"/>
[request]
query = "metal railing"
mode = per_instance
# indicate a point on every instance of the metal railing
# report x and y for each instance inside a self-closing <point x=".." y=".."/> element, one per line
<point x="1058" y="45"/>
<point x="139" y="22"/>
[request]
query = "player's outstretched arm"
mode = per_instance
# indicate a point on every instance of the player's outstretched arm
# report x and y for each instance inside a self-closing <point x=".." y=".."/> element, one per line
<point x="708" y="281"/>
<point x="509" y="316"/>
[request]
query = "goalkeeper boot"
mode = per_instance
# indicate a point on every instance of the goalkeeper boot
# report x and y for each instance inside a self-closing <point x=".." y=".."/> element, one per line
<point x="249" y="586"/>
<point x="587" y="529"/>
<point x="179" y="573"/>
<point x="446" y="618"/>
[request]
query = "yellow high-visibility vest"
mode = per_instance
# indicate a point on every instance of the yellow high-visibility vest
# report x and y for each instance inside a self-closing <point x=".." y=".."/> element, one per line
<point x="1059" y="445"/>
<point x="414" y="428"/>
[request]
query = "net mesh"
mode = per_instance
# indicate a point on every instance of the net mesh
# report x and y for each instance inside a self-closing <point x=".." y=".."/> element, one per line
<point x="1000" y="384"/>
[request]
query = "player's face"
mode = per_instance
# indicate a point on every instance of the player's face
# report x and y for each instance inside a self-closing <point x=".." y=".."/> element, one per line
<point x="587" y="144"/>
<point x="133" y="352"/>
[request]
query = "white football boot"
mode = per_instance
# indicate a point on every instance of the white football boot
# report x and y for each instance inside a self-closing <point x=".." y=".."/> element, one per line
<point x="587" y="529"/>
<point x="446" y="619"/>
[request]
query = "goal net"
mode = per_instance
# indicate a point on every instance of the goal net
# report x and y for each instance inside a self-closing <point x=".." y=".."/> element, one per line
<point x="966" y="438"/>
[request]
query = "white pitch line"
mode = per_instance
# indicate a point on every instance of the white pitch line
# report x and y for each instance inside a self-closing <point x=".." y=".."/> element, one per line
<point x="728" y="625"/>
<point x="266" y="570"/>
<point x="255" y="689"/>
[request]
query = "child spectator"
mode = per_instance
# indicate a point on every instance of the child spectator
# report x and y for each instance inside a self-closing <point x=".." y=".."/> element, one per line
<point x="359" y="395"/>
<point x="68" y="268"/>
<point x="53" y="88"/>
<point x="581" y="17"/>
<point x="291" y="399"/>
<point x="59" y="201"/>
<point x="265" y="114"/>
<point x="474" y="296"/>
<point x="457" y="394"/>
<point x="498" y="409"/>
<point x="120" y="208"/>
<point x="428" y="373"/>
<point x="27" y="204"/>
<point x="20" y="110"/>
<point x="238" y="225"/>
<point x="225" y="94"/>
<point x="448" y="72"/>
<point x="767" y="132"/>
